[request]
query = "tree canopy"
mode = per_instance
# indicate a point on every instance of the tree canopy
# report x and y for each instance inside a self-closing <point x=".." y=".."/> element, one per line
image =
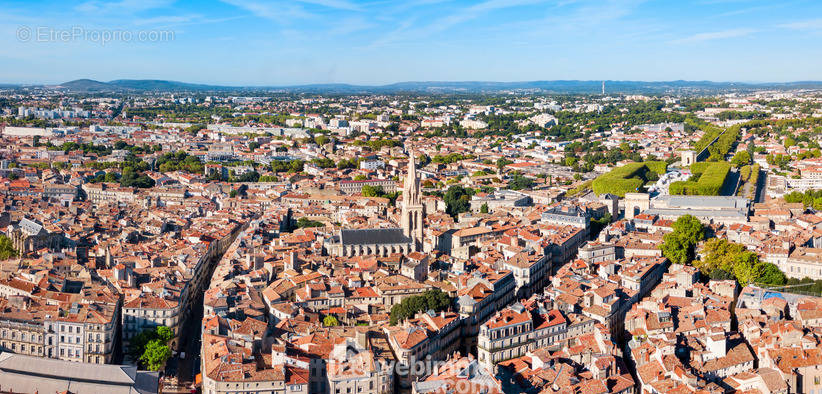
<point x="741" y="158"/>
<point x="330" y="321"/>
<point x="434" y="299"/>
<point x="721" y="257"/>
<point x="679" y="245"/>
<point x="7" y="250"/>
<point x="457" y="200"/>
<point x="151" y="348"/>
<point x="155" y="355"/>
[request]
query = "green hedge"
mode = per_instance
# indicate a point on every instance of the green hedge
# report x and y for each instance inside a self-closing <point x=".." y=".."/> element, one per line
<point x="659" y="167"/>
<point x="723" y="144"/>
<point x="700" y="167"/>
<point x="709" y="183"/>
<point x="710" y="133"/>
<point x="628" y="178"/>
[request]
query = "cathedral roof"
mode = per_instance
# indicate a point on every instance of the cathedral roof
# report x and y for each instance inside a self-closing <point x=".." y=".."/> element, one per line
<point x="373" y="236"/>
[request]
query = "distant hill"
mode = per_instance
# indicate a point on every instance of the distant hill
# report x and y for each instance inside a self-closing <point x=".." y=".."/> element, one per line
<point x="124" y="85"/>
<point x="458" y="87"/>
<point x="88" y="85"/>
<point x="160" y="85"/>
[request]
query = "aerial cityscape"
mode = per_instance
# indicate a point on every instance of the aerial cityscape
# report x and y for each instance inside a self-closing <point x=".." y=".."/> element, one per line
<point x="273" y="197"/>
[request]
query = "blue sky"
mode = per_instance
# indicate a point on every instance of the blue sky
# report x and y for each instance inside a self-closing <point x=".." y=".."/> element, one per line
<point x="272" y="42"/>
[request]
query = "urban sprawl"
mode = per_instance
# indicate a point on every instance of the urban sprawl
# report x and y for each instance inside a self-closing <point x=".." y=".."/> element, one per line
<point x="515" y="242"/>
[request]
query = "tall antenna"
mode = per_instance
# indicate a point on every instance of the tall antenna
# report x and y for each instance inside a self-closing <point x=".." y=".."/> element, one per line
<point x="603" y="88"/>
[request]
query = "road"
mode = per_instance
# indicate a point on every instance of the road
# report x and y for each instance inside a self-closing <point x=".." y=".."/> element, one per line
<point x="186" y="369"/>
<point x="761" y="186"/>
<point x="731" y="184"/>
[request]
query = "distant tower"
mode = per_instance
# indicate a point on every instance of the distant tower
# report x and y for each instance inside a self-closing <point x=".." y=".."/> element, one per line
<point x="412" y="209"/>
<point x="603" y="88"/>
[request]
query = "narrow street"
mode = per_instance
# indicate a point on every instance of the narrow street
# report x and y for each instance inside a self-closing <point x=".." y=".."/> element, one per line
<point x="186" y="368"/>
<point x="761" y="186"/>
<point x="186" y="364"/>
<point x="731" y="183"/>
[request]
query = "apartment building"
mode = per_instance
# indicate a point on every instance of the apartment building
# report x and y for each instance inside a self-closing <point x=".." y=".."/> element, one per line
<point x="102" y="193"/>
<point x="147" y="312"/>
<point x="83" y="333"/>
<point x="517" y="329"/>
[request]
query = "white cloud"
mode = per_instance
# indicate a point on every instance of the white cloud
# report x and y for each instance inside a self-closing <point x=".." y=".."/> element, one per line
<point x="716" y="35"/>
<point x="122" y="6"/>
<point x="166" y="20"/>
<point x="279" y="12"/>
<point x="812" y="24"/>
<point x="338" y="4"/>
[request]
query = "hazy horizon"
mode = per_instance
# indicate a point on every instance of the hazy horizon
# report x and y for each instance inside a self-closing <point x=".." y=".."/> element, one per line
<point x="403" y="82"/>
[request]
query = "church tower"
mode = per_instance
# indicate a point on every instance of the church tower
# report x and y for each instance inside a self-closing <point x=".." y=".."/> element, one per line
<point x="412" y="209"/>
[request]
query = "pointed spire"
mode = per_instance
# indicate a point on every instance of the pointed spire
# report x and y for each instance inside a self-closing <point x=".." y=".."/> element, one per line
<point x="411" y="178"/>
<point x="411" y="187"/>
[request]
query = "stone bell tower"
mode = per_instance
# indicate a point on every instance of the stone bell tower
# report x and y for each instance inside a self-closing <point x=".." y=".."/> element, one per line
<point x="412" y="210"/>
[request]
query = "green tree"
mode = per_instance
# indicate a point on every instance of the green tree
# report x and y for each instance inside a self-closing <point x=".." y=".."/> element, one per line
<point x="484" y="208"/>
<point x="679" y="246"/>
<point x="166" y="334"/>
<point x="330" y="321"/>
<point x="156" y="354"/>
<point x="193" y="129"/>
<point x="306" y="222"/>
<point x="741" y="158"/>
<point x="7" y="250"/>
<point x="789" y="142"/>
<point x="434" y="299"/>
<point x="719" y="254"/>
<point x="724" y="259"/>
<point x="519" y="182"/>
<point x="745" y="269"/>
<point x="677" y="249"/>
<point x="457" y="200"/>
<point x="501" y="163"/>
<point x="139" y="344"/>
<point x="690" y="227"/>
<point x="321" y="140"/>
<point x="372" y="191"/>
<point x="423" y="160"/>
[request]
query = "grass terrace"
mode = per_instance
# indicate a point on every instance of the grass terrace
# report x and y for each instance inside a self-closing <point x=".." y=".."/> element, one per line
<point x="629" y="178"/>
<point x="707" y="180"/>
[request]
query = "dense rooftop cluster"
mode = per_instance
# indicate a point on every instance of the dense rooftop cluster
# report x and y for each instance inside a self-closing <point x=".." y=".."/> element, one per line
<point x="425" y="244"/>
